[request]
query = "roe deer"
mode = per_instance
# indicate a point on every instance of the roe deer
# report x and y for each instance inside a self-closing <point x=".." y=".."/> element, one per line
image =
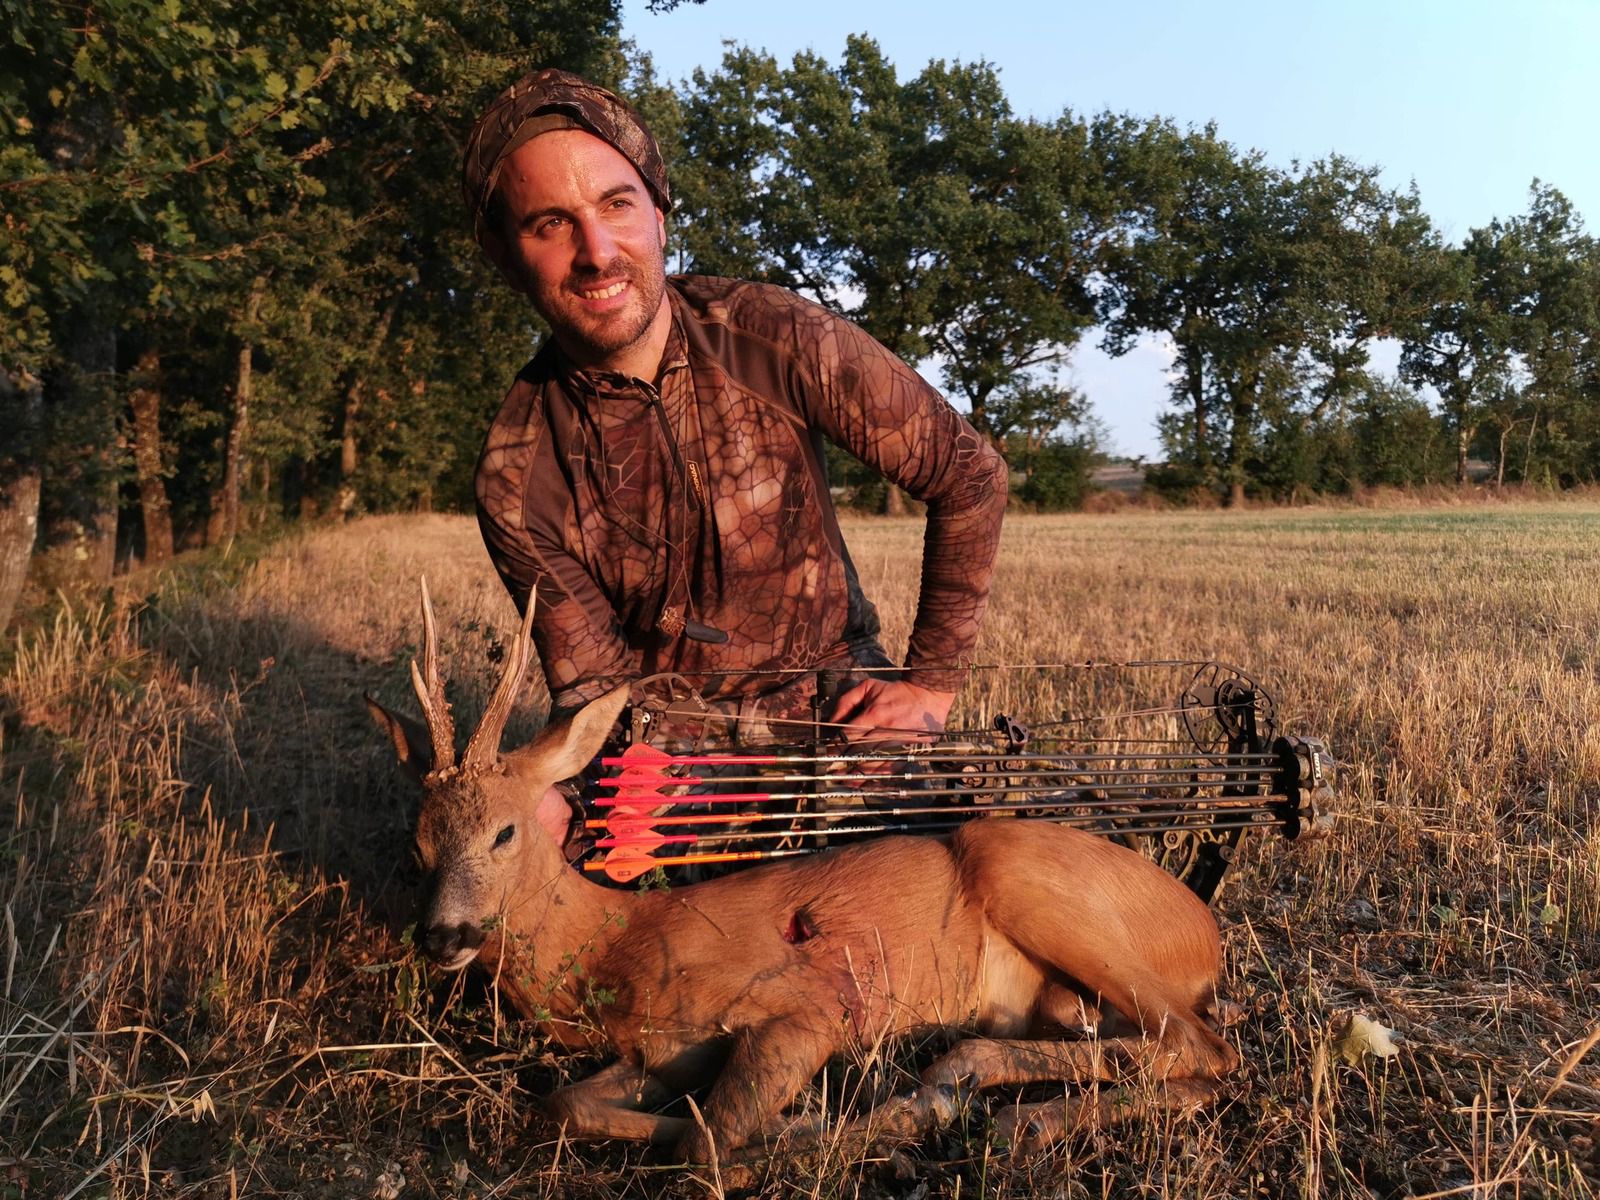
<point x="1016" y="929"/>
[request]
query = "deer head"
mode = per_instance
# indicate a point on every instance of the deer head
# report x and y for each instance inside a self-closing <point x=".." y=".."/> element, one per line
<point x="478" y="837"/>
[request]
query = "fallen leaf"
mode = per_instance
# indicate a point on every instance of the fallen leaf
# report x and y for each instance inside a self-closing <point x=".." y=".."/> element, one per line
<point x="1364" y="1038"/>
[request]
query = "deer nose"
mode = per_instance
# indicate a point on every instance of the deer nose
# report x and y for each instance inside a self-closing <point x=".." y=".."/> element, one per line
<point x="445" y="942"/>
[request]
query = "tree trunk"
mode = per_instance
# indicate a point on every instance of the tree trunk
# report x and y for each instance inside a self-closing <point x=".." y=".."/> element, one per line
<point x="349" y="449"/>
<point x="354" y="397"/>
<point x="239" y="427"/>
<point x="1239" y="439"/>
<point x="1500" y="468"/>
<point x="1527" y="454"/>
<point x="21" y="412"/>
<point x="1194" y="379"/>
<point x="894" y="501"/>
<point x="144" y="403"/>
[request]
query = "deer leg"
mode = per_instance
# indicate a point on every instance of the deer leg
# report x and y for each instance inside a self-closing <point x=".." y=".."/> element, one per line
<point x="1184" y="1045"/>
<point x="1178" y="1076"/>
<point x="969" y="1066"/>
<point x="979" y="1063"/>
<point x="608" y="1104"/>
<point x="1181" y="1048"/>
<point x="768" y="1066"/>
<point x="898" y="1119"/>
<point x="1032" y="1127"/>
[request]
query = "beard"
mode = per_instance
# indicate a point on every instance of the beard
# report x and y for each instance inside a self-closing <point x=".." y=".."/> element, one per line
<point x="590" y="338"/>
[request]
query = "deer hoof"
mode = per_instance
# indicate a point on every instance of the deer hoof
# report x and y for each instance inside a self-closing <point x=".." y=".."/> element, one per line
<point x="1029" y="1129"/>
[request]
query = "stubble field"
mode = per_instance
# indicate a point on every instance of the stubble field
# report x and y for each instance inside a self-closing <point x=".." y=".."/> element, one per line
<point x="206" y="992"/>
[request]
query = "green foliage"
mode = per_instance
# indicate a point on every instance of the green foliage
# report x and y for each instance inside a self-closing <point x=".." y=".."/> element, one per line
<point x="1271" y="284"/>
<point x="923" y="209"/>
<point x="263" y="202"/>
<point x="1060" y="475"/>
<point x="164" y="162"/>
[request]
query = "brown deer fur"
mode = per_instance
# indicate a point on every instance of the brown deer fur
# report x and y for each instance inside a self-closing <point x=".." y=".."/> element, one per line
<point x="749" y="983"/>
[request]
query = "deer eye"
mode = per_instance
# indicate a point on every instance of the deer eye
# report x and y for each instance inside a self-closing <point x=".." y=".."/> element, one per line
<point x="504" y="836"/>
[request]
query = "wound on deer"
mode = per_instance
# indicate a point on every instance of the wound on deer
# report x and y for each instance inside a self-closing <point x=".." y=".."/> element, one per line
<point x="801" y="928"/>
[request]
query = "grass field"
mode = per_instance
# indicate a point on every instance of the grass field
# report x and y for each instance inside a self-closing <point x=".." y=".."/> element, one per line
<point x="203" y="870"/>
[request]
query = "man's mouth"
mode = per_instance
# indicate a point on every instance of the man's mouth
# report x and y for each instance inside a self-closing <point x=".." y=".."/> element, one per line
<point x="603" y="293"/>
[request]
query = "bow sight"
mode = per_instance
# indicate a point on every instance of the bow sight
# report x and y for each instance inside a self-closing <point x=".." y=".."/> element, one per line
<point x="695" y="786"/>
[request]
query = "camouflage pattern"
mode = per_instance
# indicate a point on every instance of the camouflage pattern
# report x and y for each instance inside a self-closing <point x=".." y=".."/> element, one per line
<point x="555" y="99"/>
<point x="639" y="508"/>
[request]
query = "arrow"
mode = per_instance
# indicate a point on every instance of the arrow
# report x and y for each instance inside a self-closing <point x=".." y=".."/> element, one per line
<point x="625" y="864"/>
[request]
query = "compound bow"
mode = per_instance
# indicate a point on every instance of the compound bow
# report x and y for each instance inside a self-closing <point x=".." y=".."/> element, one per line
<point x="1182" y="779"/>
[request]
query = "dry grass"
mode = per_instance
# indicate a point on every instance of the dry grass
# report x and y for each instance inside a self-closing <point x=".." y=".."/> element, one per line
<point x="205" y="990"/>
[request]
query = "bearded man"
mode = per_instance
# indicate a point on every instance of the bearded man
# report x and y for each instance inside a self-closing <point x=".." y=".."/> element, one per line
<point x="656" y="471"/>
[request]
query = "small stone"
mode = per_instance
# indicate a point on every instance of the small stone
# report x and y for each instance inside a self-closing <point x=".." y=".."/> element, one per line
<point x="1361" y="911"/>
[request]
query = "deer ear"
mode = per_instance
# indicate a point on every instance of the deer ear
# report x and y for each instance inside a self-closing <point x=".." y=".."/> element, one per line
<point x="411" y="743"/>
<point x="565" y="748"/>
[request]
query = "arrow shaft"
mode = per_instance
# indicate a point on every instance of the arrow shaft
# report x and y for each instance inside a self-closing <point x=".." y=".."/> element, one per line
<point x="1136" y="824"/>
<point x="1103" y="793"/>
<point x="1109" y="776"/>
<point x="942" y="755"/>
<point x="598" y="864"/>
<point x="1142" y="804"/>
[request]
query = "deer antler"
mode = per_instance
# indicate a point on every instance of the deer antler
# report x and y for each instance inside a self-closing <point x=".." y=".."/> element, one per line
<point x="483" y="748"/>
<point x="430" y="690"/>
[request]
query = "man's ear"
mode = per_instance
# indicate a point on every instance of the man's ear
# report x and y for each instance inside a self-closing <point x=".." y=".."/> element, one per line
<point x="412" y="745"/>
<point x="499" y="252"/>
<point x="661" y="228"/>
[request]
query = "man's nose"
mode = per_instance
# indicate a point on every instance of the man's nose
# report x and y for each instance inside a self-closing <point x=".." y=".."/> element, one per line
<point x="597" y="246"/>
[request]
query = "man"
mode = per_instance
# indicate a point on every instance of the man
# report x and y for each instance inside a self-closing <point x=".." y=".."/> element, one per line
<point x="657" y="473"/>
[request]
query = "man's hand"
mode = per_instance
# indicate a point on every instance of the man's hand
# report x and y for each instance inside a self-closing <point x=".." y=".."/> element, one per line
<point x="880" y="710"/>
<point x="556" y="814"/>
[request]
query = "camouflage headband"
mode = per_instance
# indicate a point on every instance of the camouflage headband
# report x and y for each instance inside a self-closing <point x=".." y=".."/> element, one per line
<point x="552" y="99"/>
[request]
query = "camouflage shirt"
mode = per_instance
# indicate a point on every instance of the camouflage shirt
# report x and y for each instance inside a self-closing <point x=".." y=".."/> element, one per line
<point x="703" y="498"/>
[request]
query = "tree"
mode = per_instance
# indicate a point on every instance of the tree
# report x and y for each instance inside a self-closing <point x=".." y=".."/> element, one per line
<point x="166" y="139"/>
<point x="922" y="209"/>
<point x="21" y="414"/>
<point x="1204" y="258"/>
<point x="1363" y="257"/>
<point x="1053" y="438"/>
<point x="1272" y="285"/>
<point x="1462" y="347"/>
<point x="1558" y="321"/>
<point x="228" y="229"/>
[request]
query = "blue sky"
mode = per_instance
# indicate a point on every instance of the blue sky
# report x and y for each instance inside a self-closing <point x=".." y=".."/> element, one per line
<point x="1472" y="100"/>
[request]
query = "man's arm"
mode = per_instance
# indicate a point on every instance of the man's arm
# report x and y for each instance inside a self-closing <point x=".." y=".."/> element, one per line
<point x="581" y="648"/>
<point x="873" y="405"/>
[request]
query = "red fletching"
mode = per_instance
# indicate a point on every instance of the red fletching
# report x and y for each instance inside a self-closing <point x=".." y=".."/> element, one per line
<point x="647" y="841"/>
<point x="626" y="823"/>
<point x="625" y="863"/>
<point x="641" y="755"/>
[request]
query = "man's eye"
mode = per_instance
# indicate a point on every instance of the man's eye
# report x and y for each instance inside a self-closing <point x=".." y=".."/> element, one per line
<point x="505" y="835"/>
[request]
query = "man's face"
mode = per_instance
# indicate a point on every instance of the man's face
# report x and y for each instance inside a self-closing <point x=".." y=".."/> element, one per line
<point x="584" y="239"/>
